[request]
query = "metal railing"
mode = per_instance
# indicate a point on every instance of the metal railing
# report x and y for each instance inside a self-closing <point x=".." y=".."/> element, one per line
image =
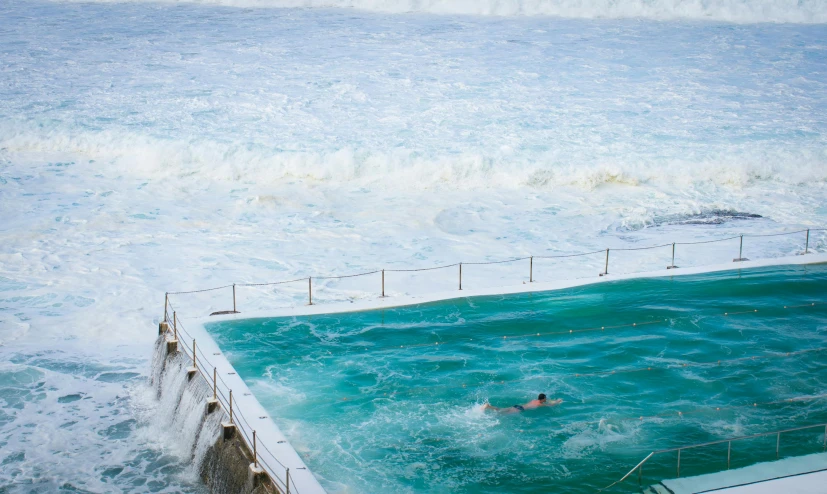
<point x="531" y="268"/>
<point x="639" y="466"/>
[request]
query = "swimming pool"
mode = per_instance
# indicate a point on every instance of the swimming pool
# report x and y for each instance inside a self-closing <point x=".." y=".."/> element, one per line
<point x="390" y="399"/>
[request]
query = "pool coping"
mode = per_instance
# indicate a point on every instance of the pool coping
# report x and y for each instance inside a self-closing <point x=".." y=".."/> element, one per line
<point x="269" y="433"/>
<point x="545" y="286"/>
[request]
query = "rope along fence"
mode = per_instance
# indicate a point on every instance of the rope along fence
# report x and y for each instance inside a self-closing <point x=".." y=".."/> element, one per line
<point x="459" y="265"/>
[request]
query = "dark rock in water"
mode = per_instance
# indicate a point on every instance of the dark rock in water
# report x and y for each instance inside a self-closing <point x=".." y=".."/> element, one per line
<point x="703" y="218"/>
<point x="70" y="398"/>
<point x="225" y="312"/>
<point x="710" y="217"/>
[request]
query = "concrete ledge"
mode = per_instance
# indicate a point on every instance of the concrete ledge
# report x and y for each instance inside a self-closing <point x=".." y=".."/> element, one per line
<point x="766" y="477"/>
<point x="212" y="405"/>
<point x="541" y="286"/>
<point x="228" y="431"/>
<point x="256" y="477"/>
<point x="172" y="346"/>
<point x="225" y="465"/>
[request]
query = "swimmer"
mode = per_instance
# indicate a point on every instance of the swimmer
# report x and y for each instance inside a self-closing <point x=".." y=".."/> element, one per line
<point x="541" y="401"/>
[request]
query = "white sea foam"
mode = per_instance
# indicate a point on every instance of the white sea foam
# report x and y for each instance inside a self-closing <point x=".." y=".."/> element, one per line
<point x="150" y="148"/>
<point x="805" y="11"/>
<point x="176" y="160"/>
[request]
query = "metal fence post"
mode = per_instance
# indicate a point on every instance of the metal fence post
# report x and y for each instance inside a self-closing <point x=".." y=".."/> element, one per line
<point x="231" y="406"/>
<point x="175" y="325"/>
<point x="460" y="276"/>
<point x="166" y="307"/>
<point x="287" y="482"/>
<point x="310" y="291"/>
<point x="234" y="309"/>
<point x="255" y="451"/>
<point x="672" y="266"/>
<point x="383" y="282"/>
<point x="640" y="475"/>
<point x="777" y="445"/>
<point x="214" y="383"/>
<point x="728" y="453"/>
<point x="531" y="269"/>
<point x="679" y="463"/>
<point x="807" y="242"/>
<point x="606" y="270"/>
<point x="741" y="252"/>
<point x="194" y="363"/>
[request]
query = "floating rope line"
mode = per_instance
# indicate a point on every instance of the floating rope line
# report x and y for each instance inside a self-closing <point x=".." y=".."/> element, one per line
<point x="527" y="335"/>
<point x="571" y="331"/>
<point x="578" y="330"/>
<point x="578" y="375"/>
<point x="708" y="409"/>
<point x="680" y="414"/>
<point x="705" y="364"/>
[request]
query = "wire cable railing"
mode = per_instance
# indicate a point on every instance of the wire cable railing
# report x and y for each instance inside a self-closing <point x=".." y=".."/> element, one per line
<point x="530" y="258"/>
<point x="729" y="441"/>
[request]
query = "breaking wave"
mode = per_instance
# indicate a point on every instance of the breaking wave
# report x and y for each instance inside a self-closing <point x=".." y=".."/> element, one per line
<point x="116" y="153"/>
<point x="738" y="11"/>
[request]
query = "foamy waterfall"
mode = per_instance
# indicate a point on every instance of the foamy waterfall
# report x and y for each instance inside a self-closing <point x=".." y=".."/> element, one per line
<point x="182" y="403"/>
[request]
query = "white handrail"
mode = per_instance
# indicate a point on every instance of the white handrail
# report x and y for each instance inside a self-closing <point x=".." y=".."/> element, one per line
<point x="639" y="466"/>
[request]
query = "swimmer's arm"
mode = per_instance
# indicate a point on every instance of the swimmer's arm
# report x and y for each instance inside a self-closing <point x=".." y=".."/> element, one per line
<point x="554" y="403"/>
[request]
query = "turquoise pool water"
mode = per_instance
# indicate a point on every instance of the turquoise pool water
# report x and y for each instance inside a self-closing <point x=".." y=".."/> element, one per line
<point x="389" y="400"/>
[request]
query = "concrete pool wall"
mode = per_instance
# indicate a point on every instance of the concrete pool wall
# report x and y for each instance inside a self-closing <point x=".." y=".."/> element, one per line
<point x="220" y="451"/>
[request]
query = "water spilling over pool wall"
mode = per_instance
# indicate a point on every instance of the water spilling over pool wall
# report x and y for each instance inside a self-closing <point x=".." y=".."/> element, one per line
<point x="222" y="459"/>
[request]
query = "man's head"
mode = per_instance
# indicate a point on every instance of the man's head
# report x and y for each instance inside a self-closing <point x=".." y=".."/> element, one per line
<point x="542" y="397"/>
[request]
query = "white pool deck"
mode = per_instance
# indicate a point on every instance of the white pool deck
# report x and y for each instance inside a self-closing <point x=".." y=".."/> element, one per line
<point x="795" y="475"/>
<point x="268" y="433"/>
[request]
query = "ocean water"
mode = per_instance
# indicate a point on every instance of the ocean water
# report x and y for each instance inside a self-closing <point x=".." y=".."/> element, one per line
<point x="389" y="400"/>
<point x="160" y="146"/>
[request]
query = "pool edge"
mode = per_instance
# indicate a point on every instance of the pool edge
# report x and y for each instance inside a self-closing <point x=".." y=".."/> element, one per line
<point x="409" y="300"/>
